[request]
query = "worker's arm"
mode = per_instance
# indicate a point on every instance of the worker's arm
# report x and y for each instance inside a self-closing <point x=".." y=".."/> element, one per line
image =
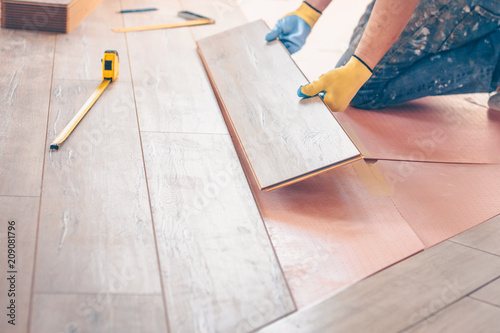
<point x="340" y="85"/>
<point x="319" y="4"/>
<point x="293" y="29"/>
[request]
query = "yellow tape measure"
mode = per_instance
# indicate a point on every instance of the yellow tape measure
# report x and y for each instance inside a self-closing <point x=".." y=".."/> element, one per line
<point x="110" y="68"/>
<point x="192" y="20"/>
<point x="166" y="26"/>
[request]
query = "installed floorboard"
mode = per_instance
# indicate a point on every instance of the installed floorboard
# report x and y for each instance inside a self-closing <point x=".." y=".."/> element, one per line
<point x="24" y="212"/>
<point x="171" y="87"/>
<point x="102" y="312"/>
<point x="401" y="295"/>
<point x="440" y="200"/>
<point x="79" y="54"/>
<point x="219" y="269"/>
<point x="489" y="293"/>
<point x="25" y="77"/>
<point x="284" y="139"/>
<point x="484" y="237"/>
<point x="95" y="225"/>
<point x="454" y="129"/>
<point x="227" y="14"/>
<point x="467" y="315"/>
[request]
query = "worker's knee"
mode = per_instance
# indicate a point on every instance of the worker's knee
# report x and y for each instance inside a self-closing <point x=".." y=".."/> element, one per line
<point x="370" y="99"/>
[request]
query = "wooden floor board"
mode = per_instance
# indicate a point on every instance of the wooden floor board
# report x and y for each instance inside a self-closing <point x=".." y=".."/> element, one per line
<point x="95" y="224"/>
<point x="227" y="14"/>
<point x="401" y="295"/>
<point x="24" y="212"/>
<point x="218" y="266"/>
<point x="79" y="53"/>
<point x="25" y="78"/>
<point x="467" y="315"/>
<point x="172" y="90"/>
<point x="484" y="237"/>
<point x="490" y="293"/>
<point x="284" y="138"/>
<point x="101" y="312"/>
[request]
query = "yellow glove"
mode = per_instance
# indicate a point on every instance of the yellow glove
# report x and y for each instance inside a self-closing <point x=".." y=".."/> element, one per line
<point x="339" y="85"/>
<point x="308" y="13"/>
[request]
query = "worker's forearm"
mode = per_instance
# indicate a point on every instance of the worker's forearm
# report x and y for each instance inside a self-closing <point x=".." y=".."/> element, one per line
<point x="387" y="20"/>
<point x="319" y="4"/>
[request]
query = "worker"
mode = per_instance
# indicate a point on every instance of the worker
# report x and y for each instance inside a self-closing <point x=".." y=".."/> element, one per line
<point x="402" y="50"/>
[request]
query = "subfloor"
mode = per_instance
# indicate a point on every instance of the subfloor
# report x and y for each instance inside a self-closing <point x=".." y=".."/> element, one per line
<point x="145" y="221"/>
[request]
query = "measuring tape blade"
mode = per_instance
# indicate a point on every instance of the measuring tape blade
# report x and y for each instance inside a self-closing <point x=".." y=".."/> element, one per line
<point x="166" y="26"/>
<point x="79" y="116"/>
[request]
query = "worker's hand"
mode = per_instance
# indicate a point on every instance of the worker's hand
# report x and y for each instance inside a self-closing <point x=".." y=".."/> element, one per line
<point x="293" y="29"/>
<point x="339" y="85"/>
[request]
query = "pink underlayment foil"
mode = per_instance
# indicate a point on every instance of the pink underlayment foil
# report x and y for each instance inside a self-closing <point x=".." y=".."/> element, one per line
<point x="451" y="129"/>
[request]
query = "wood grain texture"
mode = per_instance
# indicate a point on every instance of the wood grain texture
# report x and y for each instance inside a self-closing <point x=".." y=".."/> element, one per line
<point x="401" y="295"/>
<point x="25" y="77"/>
<point x="283" y="137"/>
<point x="95" y="225"/>
<point x="227" y="14"/>
<point x="79" y="54"/>
<point x="102" y="312"/>
<point x="483" y="237"/>
<point x="490" y="293"/>
<point x="439" y="200"/>
<point x="171" y="87"/>
<point x="219" y="269"/>
<point x="467" y="315"/>
<point x="24" y="211"/>
<point x="451" y="129"/>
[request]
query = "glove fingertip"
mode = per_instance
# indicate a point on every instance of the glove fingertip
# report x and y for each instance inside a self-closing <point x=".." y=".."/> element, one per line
<point x="301" y="94"/>
<point x="273" y="34"/>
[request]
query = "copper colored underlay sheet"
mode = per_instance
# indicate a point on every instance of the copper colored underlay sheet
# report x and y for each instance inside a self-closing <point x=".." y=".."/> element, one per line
<point x="329" y="231"/>
<point x="455" y="129"/>
<point x="441" y="200"/>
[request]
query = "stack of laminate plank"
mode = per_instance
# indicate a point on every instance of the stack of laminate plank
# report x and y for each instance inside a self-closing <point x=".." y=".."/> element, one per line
<point x="51" y="15"/>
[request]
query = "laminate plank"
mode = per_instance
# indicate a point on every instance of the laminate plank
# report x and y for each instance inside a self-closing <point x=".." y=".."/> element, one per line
<point x="399" y="296"/>
<point x="95" y="224"/>
<point x="452" y="129"/>
<point x="25" y="78"/>
<point x="171" y="87"/>
<point x="490" y="293"/>
<point x="483" y="237"/>
<point x="24" y="212"/>
<point x="219" y="269"/>
<point x="227" y="14"/>
<point x="467" y="315"/>
<point x="79" y="54"/>
<point x="100" y="312"/>
<point x="285" y="139"/>
<point x="441" y="200"/>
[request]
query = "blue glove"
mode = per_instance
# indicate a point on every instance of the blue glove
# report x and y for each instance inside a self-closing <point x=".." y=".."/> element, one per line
<point x="293" y="29"/>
